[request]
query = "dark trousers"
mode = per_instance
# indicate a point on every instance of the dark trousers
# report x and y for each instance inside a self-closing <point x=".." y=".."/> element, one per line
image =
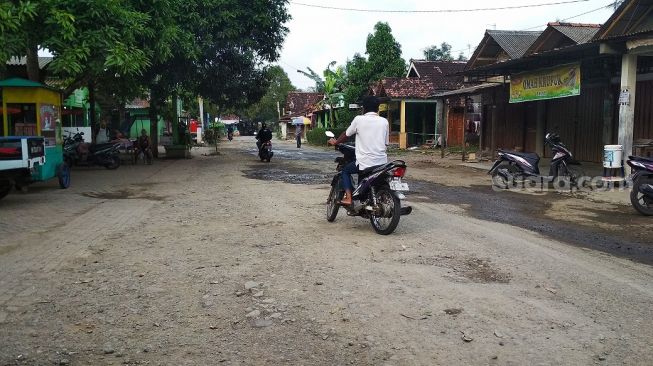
<point x="299" y="141"/>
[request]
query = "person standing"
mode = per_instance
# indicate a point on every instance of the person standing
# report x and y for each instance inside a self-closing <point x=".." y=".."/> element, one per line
<point x="102" y="135"/>
<point x="298" y="135"/>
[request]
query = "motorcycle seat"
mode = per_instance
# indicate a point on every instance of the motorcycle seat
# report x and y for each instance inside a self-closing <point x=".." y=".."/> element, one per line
<point x="371" y="170"/>
<point x="641" y="158"/>
<point x="98" y="147"/>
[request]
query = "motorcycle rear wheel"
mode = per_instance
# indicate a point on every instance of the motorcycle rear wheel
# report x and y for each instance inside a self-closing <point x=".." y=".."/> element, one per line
<point x="640" y="202"/>
<point x="332" y="206"/>
<point x="392" y="206"/>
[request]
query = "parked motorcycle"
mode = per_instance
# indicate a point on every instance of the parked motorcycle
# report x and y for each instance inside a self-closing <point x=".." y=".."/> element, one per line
<point x="265" y="152"/>
<point x="513" y="168"/>
<point x="376" y="197"/>
<point x="106" y="155"/>
<point x="641" y="197"/>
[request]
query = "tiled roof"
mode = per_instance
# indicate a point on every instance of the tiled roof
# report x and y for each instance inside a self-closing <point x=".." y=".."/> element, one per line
<point x="515" y="43"/>
<point x="405" y="88"/>
<point x="22" y="61"/>
<point x="561" y="35"/>
<point x="138" y="103"/>
<point x="230" y="117"/>
<point x="440" y="73"/>
<point x="579" y="33"/>
<point x="301" y="103"/>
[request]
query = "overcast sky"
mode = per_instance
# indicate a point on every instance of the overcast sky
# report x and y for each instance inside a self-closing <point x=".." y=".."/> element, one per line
<point x="319" y="36"/>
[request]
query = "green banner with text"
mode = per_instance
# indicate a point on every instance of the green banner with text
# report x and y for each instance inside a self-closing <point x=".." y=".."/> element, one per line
<point x="556" y="82"/>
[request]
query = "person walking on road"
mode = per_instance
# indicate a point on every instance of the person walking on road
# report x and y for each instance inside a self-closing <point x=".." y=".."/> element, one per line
<point x="298" y="135"/>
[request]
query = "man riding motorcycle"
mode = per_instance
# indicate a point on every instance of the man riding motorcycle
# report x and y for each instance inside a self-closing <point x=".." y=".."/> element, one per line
<point x="372" y="138"/>
<point x="264" y="135"/>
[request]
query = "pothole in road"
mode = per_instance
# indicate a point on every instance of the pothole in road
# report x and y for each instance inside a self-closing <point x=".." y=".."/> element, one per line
<point x="123" y="194"/>
<point x="286" y="176"/>
<point x="474" y="269"/>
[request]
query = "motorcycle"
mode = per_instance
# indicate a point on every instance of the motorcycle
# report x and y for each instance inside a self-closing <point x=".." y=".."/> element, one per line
<point x="265" y="153"/>
<point x="376" y="197"/>
<point x="106" y="155"/>
<point x="230" y="135"/>
<point x="514" y="167"/>
<point x="641" y="196"/>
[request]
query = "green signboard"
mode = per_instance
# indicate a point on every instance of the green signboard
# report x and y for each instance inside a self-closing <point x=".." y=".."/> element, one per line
<point x="556" y="82"/>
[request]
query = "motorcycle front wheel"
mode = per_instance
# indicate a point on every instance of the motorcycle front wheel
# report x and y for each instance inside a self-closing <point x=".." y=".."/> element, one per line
<point x="641" y="202"/>
<point x="332" y="206"/>
<point x="114" y="163"/>
<point x="387" y="222"/>
<point x="500" y="177"/>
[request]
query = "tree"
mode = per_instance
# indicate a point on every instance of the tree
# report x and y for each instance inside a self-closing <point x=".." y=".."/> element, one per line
<point x="277" y="91"/>
<point x="358" y="78"/>
<point x="384" y="54"/>
<point x="461" y="57"/>
<point x="442" y="53"/>
<point x="220" y="52"/>
<point x="215" y="49"/>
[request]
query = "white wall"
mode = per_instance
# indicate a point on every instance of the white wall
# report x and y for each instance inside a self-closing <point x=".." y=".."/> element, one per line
<point x="73" y="130"/>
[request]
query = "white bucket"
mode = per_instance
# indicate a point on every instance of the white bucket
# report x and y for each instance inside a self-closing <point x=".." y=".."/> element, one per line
<point x="613" y="156"/>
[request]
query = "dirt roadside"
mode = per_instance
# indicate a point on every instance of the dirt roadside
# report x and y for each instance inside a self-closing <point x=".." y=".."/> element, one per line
<point x="201" y="262"/>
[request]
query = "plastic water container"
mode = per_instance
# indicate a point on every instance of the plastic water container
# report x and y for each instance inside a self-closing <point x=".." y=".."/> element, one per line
<point x="613" y="156"/>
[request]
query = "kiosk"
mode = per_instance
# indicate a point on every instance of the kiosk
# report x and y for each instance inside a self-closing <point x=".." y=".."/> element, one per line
<point x="31" y="141"/>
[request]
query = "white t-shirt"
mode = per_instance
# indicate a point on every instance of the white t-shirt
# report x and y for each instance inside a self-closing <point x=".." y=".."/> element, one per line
<point x="372" y="138"/>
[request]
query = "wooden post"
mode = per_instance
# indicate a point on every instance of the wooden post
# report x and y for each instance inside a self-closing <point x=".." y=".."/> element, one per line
<point x="5" y="121"/>
<point x="627" y="108"/>
<point x="403" y="142"/>
<point x="389" y="120"/>
<point x="493" y="132"/>
<point x="445" y="127"/>
<point x="464" y="129"/>
<point x="540" y="127"/>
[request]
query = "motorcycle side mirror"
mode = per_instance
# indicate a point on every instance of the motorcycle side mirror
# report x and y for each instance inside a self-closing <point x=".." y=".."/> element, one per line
<point x="330" y="134"/>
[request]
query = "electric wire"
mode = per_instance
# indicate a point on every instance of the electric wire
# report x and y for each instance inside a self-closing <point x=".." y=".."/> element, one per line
<point x="326" y="7"/>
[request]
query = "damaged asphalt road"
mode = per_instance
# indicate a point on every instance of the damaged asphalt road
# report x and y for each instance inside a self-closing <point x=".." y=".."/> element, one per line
<point x="613" y="229"/>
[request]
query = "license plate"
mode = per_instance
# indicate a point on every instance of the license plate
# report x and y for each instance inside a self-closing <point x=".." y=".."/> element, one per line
<point x="396" y="185"/>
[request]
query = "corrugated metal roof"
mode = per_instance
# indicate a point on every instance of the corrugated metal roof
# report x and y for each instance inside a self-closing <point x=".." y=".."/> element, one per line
<point x="22" y="61"/>
<point x="628" y="20"/>
<point x="515" y="43"/>
<point x="579" y="33"/>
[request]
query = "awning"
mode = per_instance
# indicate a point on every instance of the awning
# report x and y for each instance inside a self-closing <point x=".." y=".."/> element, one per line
<point x="467" y="91"/>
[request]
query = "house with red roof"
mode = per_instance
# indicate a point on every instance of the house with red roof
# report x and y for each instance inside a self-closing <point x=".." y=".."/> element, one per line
<point x="408" y="101"/>
<point x="298" y="104"/>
